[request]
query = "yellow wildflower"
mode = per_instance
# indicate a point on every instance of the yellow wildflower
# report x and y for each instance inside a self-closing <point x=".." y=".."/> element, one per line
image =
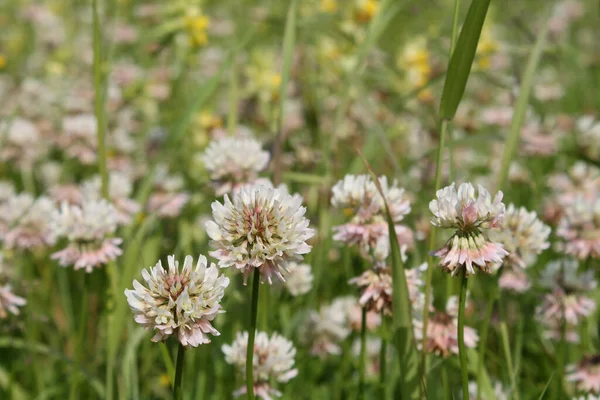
<point x="329" y="6"/>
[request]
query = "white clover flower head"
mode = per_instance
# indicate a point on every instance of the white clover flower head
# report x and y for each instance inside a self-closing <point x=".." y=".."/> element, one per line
<point x="32" y="228"/>
<point x="442" y="331"/>
<point x="92" y="220"/>
<point x="522" y="234"/>
<point x="262" y="228"/>
<point x="564" y="274"/>
<point x="299" y="279"/>
<point x="462" y="210"/>
<point x="579" y="227"/>
<point x="14" y="208"/>
<point x="573" y="306"/>
<point x="358" y="196"/>
<point x="586" y="376"/>
<point x="179" y="302"/>
<point x="468" y="214"/>
<point x="325" y="329"/>
<point x="232" y="161"/>
<point x="376" y="289"/>
<point x="20" y="142"/>
<point x="87" y="227"/>
<point x="79" y="137"/>
<point x="273" y="361"/>
<point x="120" y="188"/>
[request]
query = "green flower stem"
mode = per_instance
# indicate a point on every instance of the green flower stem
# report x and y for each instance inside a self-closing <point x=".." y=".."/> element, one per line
<point x="178" y="373"/>
<point x="509" y="362"/>
<point x="430" y="262"/>
<point x="483" y="338"/>
<point x="383" y="357"/>
<point x="462" y="352"/>
<point x="251" y="334"/>
<point x="363" y="354"/>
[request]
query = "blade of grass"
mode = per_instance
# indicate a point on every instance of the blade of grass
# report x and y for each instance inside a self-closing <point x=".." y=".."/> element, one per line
<point x="289" y="41"/>
<point x="546" y="387"/>
<point x="402" y="327"/>
<point x="461" y="61"/>
<point x="512" y="140"/>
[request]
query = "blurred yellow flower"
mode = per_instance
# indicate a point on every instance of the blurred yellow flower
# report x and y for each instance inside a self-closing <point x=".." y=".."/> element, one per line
<point x="164" y="380"/>
<point x="329" y="6"/>
<point x="208" y="120"/>
<point x="366" y="9"/>
<point x="487" y="47"/>
<point x="415" y="61"/>
<point x="197" y="24"/>
<point x="2" y="61"/>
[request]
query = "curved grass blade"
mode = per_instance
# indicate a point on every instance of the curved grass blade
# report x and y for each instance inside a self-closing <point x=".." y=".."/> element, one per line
<point x="289" y="41"/>
<point x="512" y="140"/>
<point x="461" y="61"/>
<point x="546" y="387"/>
<point x="402" y="327"/>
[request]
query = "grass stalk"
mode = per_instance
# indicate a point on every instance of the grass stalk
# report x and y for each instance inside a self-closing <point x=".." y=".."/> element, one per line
<point x="178" y="373"/>
<point x="462" y="351"/>
<point x="363" y="354"/>
<point x="432" y="244"/>
<point x="251" y="335"/>
<point x="483" y="339"/>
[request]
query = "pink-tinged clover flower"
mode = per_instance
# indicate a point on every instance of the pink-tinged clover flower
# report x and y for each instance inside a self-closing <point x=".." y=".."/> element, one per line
<point x="273" y="361"/>
<point x="579" y="227"/>
<point x="442" y="331"/>
<point x="358" y="197"/>
<point x="470" y="216"/>
<point x="234" y="161"/>
<point x="586" y="375"/>
<point x="262" y="228"/>
<point x="182" y="303"/>
<point x="88" y="228"/>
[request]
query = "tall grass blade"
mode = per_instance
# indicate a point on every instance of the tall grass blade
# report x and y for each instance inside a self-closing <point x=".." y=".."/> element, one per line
<point x="461" y="61"/>
<point x="402" y="328"/>
<point x="546" y="387"/>
<point x="521" y="106"/>
<point x="289" y="41"/>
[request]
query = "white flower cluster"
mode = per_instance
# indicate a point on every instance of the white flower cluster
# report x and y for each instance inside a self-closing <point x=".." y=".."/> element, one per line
<point x="299" y="279"/>
<point x="93" y="220"/>
<point x="87" y="227"/>
<point x="326" y="328"/>
<point x="359" y="197"/>
<point x="179" y="302"/>
<point x="262" y="228"/>
<point x="273" y="361"/>
<point x="120" y="189"/>
<point x="25" y="221"/>
<point x="232" y="161"/>
<point x="522" y="234"/>
<point x="463" y="210"/>
<point x="468" y="248"/>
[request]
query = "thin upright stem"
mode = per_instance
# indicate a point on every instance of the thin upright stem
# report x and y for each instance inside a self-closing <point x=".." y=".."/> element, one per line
<point x="432" y="243"/>
<point x="363" y="354"/>
<point x="251" y="334"/>
<point x="178" y="373"/>
<point x="462" y="352"/>
<point x="508" y="357"/>
<point x="383" y="357"/>
<point x="483" y="339"/>
<point x="99" y="100"/>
